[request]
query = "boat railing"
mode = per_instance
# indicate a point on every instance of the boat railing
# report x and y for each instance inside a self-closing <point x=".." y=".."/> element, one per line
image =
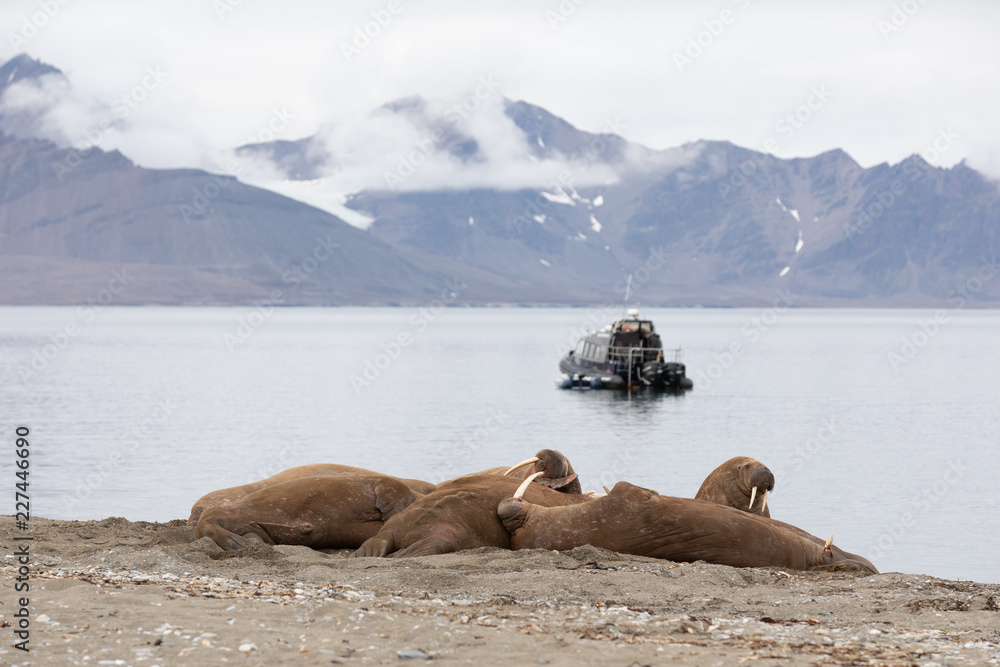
<point x="635" y="355"/>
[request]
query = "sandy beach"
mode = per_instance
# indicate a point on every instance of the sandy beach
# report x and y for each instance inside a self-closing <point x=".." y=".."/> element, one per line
<point x="116" y="592"/>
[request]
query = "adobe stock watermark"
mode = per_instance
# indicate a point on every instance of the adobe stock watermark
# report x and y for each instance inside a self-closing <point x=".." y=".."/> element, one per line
<point x="562" y="13"/>
<point x="275" y="465"/>
<point x="922" y="503"/>
<point x="32" y="25"/>
<point x="714" y="27"/>
<point x="428" y="146"/>
<point x="752" y="330"/>
<point x="365" y="34"/>
<point x="910" y="345"/>
<point x="535" y="207"/>
<point x="884" y="199"/>
<point x="129" y="440"/>
<point x="618" y="470"/>
<point x="899" y="16"/>
<point x="798" y="458"/>
<point x="121" y="108"/>
<point x="786" y="127"/>
<point x="248" y="324"/>
<point x="203" y="195"/>
<point x="375" y="366"/>
<point x="655" y="261"/>
<point x="462" y="452"/>
<point x="224" y="7"/>
<point x="86" y="313"/>
<point x="596" y="319"/>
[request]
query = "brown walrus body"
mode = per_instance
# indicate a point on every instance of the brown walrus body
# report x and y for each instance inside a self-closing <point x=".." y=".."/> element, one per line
<point x="459" y="514"/>
<point x="557" y="473"/>
<point x="638" y="521"/>
<point x="733" y="483"/>
<point x="228" y="496"/>
<point x="322" y="512"/>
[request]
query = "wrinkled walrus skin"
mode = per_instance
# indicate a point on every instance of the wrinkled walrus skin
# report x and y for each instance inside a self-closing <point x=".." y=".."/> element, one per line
<point x="639" y="521"/>
<point x="459" y="514"/>
<point x="732" y="484"/>
<point x="228" y="496"/>
<point x="322" y="512"/>
<point x="557" y="473"/>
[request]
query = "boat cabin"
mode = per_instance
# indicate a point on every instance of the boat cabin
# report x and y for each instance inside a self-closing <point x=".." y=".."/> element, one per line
<point x="594" y="347"/>
<point x="633" y="333"/>
<point x="620" y="341"/>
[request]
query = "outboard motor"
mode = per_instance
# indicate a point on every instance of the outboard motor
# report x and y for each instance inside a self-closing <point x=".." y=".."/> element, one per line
<point x="651" y="374"/>
<point x="673" y="376"/>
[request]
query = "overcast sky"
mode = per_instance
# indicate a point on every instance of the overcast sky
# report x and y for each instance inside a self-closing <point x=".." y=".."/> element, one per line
<point x="884" y="79"/>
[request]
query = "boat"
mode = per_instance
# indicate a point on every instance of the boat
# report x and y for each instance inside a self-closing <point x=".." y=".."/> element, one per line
<point x="624" y="355"/>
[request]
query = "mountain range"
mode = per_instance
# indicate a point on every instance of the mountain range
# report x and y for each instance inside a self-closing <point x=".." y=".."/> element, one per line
<point x="708" y="223"/>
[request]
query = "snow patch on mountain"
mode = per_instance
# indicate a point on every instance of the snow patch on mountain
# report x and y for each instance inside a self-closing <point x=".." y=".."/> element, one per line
<point x="318" y="193"/>
<point x="559" y="197"/>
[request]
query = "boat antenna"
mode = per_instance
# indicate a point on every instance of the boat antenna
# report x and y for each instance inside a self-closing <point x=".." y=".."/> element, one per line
<point x="628" y="288"/>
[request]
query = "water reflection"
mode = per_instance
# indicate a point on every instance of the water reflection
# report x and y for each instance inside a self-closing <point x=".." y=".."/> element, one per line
<point x="639" y="402"/>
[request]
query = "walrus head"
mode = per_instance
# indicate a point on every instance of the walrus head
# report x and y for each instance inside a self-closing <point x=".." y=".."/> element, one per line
<point x="740" y="482"/>
<point x="557" y="473"/>
<point x="756" y="476"/>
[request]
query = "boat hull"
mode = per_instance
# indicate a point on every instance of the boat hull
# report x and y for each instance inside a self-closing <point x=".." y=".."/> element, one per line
<point x="662" y="375"/>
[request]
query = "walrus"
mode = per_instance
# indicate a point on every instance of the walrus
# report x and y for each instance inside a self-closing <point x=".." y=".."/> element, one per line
<point x="557" y="472"/>
<point x="739" y="482"/>
<point x="729" y="484"/>
<point x="459" y="514"/>
<point x="322" y="512"/>
<point x="232" y="494"/>
<point x="634" y="520"/>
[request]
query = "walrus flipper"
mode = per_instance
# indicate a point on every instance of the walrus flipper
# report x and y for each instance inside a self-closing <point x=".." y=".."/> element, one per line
<point x="374" y="547"/>
<point x="427" y="546"/>
<point x="196" y="513"/>
<point x="226" y="539"/>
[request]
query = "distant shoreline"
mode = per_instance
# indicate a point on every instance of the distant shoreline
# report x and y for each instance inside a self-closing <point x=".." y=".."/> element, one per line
<point x="498" y="305"/>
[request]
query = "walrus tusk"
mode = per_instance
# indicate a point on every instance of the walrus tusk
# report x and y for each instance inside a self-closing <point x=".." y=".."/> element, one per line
<point x="829" y="542"/>
<point x="753" y="494"/>
<point x="764" y="505"/>
<point x="606" y="490"/>
<point x="522" y="464"/>
<point x="524" y="485"/>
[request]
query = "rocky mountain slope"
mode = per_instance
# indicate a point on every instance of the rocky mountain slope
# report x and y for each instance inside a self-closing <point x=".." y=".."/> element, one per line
<point x="708" y="223"/>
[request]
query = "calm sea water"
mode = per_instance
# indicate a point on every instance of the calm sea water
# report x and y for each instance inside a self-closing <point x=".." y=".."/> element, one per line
<point x="139" y="411"/>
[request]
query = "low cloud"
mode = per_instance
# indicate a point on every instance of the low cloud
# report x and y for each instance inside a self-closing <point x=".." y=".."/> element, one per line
<point x="424" y="145"/>
<point x="465" y="141"/>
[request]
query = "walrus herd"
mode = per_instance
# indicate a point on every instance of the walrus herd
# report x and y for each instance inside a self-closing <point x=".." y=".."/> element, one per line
<point x="536" y="504"/>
